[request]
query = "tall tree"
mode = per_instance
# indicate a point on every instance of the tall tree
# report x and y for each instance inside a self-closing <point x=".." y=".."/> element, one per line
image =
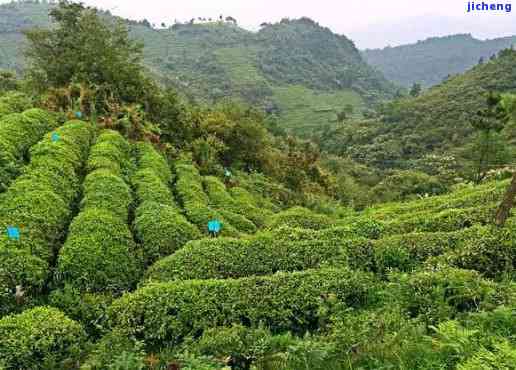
<point x="84" y="49"/>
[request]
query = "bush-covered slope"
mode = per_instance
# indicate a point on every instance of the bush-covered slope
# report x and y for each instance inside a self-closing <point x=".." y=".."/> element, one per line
<point x="430" y="61"/>
<point x="437" y="122"/>
<point x="294" y="60"/>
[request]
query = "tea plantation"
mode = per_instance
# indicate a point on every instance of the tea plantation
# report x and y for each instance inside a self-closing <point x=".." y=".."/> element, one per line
<point x="107" y="262"/>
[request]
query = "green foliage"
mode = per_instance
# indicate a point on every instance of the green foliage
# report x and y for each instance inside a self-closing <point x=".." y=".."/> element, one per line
<point x="69" y="53"/>
<point x="36" y="205"/>
<point x="299" y="217"/>
<point x="431" y="60"/>
<point x="503" y="356"/>
<point x="40" y="338"/>
<point x="446" y="293"/>
<point x="162" y="314"/>
<point x="18" y="132"/>
<point x="407" y="184"/>
<point x="195" y="202"/>
<point x="99" y="254"/>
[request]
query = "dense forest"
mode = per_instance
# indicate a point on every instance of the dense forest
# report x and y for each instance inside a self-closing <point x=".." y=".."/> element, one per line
<point x="430" y="61"/>
<point x="142" y="228"/>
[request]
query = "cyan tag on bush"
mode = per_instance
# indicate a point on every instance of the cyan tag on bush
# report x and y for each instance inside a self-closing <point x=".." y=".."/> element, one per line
<point x="55" y="137"/>
<point x="214" y="226"/>
<point x="13" y="233"/>
<point x="78" y="115"/>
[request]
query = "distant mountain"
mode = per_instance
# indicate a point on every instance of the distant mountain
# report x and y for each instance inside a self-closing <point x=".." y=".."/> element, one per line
<point x="430" y="61"/>
<point x="436" y="122"/>
<point x="295" y="68"/>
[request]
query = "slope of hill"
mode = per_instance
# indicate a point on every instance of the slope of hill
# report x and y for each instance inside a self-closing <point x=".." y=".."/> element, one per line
<point x="289" y="61"/>
<point x="430" y="61"/>
<point x="438" y="121"/>
<point x="278" y="288"/>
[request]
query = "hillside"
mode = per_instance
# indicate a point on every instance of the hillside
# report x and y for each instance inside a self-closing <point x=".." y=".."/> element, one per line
<point x="292" y="61"/>
<point x="437" y="122"/>
<point x="117" y="267"/>
<point x="430" y="61"/>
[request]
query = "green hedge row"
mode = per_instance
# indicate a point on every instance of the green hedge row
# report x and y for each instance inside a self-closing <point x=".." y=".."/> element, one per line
<point x="444" y="293"/>
<point x="14" y="102"/>
<point x="464" y="198"/>
<point x="39" y="203"/>
<point x="99" y="254"/>
<point x="231" y="210"/>
<point x="447" y="220"/>
<point x="19" y="132"/>
<point x="246" y="202"/>
<point x="159" y="225"/>
<point x="163" y="314"/>
<point x="299" y="217"/>
<point x="111" y="152"/>
<point x="195" y="201"/>
<point x="40" y="338"/>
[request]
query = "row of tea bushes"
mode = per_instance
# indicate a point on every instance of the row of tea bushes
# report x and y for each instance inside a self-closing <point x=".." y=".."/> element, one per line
<point x="159" y="226"/>
<point x="253" y="209"/>
<point x="18" y="133"/>
<point x="99" y="254"/>
<point x="40" y="338"/>
<point x="14" y="102"/>
<point x="195" y="202"/>
<point x="447" y="220"/>
<point x="244" y="218"/>
<point x="463" y="198"/>
<point x="488" y="250"/>
<point x="39" y="204"/>
<point x="163" y="314"/>
<point x="299" y="217"/>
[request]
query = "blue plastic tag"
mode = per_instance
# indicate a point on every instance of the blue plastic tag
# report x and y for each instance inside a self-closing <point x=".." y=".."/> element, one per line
<point x="214" y="226"/>
<point x="78" y="115"/>
<point x="55" y="137"/>
<point x="13" y="233"/>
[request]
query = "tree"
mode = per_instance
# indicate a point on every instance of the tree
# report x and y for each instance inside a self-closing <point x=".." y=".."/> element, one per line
<point x="415" y="90"/>
<point x="82" y="49"/>
<point x="508" y="103"/>
<point x="488" y="123"/>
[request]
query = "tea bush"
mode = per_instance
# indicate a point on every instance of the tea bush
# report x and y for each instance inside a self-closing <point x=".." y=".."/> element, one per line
<point x="40" y="338"/>
<point x="299" y="217"/>
<point x="39" y="203"/>
<point x="196" y="203"/>
<point x="158" y="225"/>
<point x="163" y="314"/>
<point x="99" y="254"/>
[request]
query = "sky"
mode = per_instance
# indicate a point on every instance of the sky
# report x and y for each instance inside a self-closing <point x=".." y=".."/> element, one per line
<point x="370" y="23"/>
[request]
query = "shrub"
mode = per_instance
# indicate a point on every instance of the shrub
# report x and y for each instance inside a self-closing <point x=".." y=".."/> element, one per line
<point x="106" y="191"/>
<point x="195" y="202"/>
<point x="13" y="102"/>
<point x="299" y="217"/>
<point x="148" y="157"/>
<point x="34" y="203"/>
<point x="40" y="338"/>
<point x="244" y="201"/>
<point x="163" y="314"/>
<point x="149" y="187"/>
<point x="110" y="152"/>
<point x="448" y="220"/>
<point x="238" y="221"/>
<point x="262" y="254"/>
<point x="502" y="356"/>
<point x="99" y="254"/>
<point x="447" y="292"/>
<point x="162" y="230"/>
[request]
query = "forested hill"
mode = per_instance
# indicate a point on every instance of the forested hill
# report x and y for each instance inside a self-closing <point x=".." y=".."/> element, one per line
<point x="430" y="61"/>
<point x="301" y="71"/>
<point x="439" y="121"/>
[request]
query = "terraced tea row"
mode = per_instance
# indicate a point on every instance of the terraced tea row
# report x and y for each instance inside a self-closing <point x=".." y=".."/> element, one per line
<point x="38" y="205"/>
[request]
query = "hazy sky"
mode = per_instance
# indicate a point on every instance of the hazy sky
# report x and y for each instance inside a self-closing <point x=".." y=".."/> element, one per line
<point x="370" y="23"/>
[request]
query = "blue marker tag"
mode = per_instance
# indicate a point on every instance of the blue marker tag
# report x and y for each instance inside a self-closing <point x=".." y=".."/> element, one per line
<point x="78" y="115"/>
<point x="214" y="226"/>
<point x="55" y="137"/>
<point x="13" y="233"/>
